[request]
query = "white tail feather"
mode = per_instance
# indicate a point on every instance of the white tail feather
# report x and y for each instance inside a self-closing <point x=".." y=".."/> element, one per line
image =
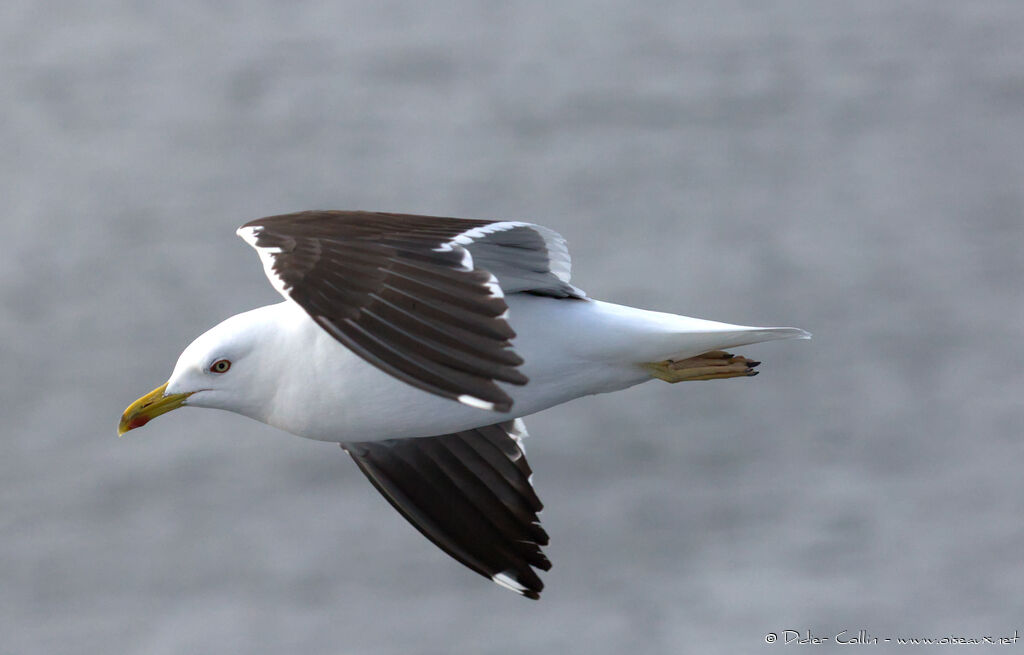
<point x="639" y="335"/>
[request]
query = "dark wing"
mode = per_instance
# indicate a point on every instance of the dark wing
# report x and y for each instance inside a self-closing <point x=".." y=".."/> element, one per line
<point x="469" y="493"/>
<point x="420" y="297"/>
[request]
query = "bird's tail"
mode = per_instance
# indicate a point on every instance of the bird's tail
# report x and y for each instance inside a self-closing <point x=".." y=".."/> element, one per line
<point x="649" y="338"/>
<point x="701" y="337"/>
<point x="696" y="350"/>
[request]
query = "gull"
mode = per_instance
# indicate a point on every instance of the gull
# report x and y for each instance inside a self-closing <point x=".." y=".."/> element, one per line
<point x="418" y="343"/>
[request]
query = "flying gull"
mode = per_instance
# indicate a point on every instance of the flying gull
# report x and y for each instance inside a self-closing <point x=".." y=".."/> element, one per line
<point x="418" y="343"/>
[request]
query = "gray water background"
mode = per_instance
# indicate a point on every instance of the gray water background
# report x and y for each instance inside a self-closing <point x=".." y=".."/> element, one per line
<point x="851" y="168"/>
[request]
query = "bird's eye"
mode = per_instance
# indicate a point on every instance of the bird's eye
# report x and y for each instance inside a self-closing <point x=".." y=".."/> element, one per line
<point x="220" y="366"/>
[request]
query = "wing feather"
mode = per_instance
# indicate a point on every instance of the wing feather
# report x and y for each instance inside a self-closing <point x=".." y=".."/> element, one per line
<point x="469" y="493"/>
<point x="420" y="297"/>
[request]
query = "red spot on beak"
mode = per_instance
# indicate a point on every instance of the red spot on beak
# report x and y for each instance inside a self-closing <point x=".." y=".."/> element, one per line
<point x="138" y="422"/>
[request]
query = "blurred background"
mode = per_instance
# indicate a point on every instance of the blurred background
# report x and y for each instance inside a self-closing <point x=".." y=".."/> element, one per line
<point x="854" y="169"/>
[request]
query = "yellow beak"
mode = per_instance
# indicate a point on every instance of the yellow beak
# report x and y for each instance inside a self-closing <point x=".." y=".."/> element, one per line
<point x="147" y="408"/>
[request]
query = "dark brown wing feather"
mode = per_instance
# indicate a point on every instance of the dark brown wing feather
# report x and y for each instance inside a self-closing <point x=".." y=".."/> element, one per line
<point x="467" y="492"/>
<point x="396" y="290"/>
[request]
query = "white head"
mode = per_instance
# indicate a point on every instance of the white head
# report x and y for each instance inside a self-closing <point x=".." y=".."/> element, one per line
<point x="232" y="366"/>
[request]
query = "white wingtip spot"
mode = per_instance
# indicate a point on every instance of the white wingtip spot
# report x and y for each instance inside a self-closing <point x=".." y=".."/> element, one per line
<point x="504" y="580"/>
<point x="473" y="401"/>
<point x="495" y="288"/>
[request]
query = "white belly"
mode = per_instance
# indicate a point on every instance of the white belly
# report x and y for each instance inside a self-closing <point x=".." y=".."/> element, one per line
<point x="356" y="401"/>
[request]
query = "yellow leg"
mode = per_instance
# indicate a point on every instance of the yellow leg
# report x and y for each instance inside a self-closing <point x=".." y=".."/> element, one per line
<point x="714" y="365"/>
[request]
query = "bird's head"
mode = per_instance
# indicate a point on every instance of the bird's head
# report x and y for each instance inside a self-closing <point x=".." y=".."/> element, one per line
<point x="218" y="370"/>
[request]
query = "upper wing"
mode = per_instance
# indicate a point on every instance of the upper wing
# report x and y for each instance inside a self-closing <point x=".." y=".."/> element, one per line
<point x="469" y="493"/>
<point x="420" y="297"/>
